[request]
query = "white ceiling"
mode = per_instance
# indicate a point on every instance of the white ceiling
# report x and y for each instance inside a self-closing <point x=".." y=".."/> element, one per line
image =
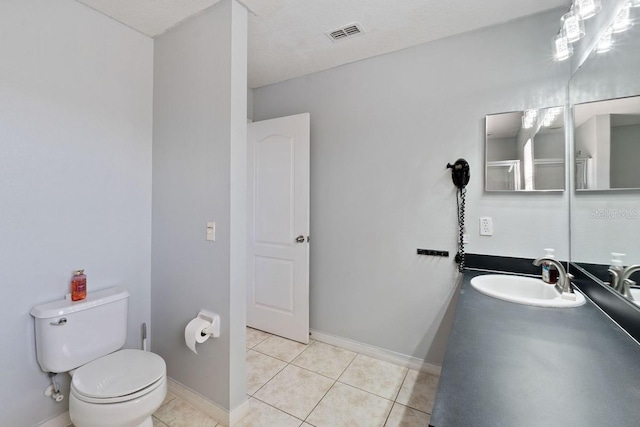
<point x="287" y="37"/>
<point x="504" y="125"/>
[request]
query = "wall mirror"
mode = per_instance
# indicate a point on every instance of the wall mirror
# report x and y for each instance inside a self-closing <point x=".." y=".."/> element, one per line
<point x="607" y="144"/>
<point x="524" y="150"/>
<point x="605" y="205"/>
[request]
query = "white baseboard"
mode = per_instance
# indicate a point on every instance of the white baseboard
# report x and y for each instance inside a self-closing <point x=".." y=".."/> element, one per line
<point x="62" y="420"/>
<point x="219" y="414"/>
<point x="239" y="412"/>
<point x="377" y="352"/>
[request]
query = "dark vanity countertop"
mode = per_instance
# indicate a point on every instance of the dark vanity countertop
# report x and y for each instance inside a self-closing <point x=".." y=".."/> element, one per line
<point x="509" y="364"/>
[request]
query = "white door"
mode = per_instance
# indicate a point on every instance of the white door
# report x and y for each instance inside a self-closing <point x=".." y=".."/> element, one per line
<point x="278" y="205"/>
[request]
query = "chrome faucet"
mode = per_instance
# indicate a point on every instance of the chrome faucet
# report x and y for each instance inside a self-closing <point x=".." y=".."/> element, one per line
<point x="564" y="279"/>
<point x="615" y="282"/>
<point x="626" y="282"/>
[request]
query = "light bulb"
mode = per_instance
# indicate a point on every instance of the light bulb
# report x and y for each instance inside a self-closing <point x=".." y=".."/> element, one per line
<point x="561" y="48"/>
<point x="623" y="21"/>
<point x="529" y="118"/>
<point x="605" y="43"/>
<point x="572" y="26"/>
<point x="588" y="8"/>
<point x="550" y="115"/>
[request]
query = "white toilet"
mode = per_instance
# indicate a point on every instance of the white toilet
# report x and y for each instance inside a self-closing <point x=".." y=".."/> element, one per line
<point x="109" y="387"/>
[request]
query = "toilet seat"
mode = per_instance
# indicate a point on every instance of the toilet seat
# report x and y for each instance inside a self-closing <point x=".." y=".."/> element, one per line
<point x="120" y="376"/>
<point x="117" y="399"/>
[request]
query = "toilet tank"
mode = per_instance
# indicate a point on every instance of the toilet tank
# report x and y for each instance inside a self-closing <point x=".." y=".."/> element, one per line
<point x="70" y="334"/>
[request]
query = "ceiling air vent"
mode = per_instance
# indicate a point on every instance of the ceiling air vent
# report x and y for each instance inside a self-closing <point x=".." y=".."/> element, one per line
<point x="346" y="31"/>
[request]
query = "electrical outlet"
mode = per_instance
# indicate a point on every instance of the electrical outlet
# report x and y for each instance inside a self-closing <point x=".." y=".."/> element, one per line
<point x="486" y="226"/>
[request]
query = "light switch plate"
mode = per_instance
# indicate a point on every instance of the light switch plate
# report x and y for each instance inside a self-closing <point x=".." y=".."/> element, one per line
<point x="211" y="231"/>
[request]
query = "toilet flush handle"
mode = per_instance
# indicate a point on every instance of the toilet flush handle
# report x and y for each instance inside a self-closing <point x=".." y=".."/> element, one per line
<point x="60" y="322"/>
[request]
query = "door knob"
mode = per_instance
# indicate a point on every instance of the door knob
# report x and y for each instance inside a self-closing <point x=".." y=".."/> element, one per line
<point x="300" y="239"/>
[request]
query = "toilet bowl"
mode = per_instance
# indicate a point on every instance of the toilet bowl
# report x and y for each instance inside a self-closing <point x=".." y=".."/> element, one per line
<point x="110" y="386"/>
<point x="121" y="389"/>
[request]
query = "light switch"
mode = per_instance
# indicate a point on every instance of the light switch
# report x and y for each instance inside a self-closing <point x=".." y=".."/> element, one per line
<point x="211" y="231"/>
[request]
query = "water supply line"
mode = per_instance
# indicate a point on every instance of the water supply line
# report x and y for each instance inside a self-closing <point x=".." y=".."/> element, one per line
<point x="144" y="336"/>
<point x="53" y="390"/>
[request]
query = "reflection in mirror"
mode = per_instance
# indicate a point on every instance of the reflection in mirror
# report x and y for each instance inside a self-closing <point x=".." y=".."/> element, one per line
<point x="525" y="150"/>
<point x="604" y="93"/>
<point x="607" y="144"/>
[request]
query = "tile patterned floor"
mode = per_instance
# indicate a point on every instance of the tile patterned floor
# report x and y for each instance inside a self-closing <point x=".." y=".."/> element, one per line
<point x="318" y="385"/>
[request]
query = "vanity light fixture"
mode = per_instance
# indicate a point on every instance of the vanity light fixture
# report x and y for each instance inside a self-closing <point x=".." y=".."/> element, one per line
<point x="572" y="26"/>
<point x="587" y="8"/>
<point x="623" y="21"/>
<point x="561" y="48"/>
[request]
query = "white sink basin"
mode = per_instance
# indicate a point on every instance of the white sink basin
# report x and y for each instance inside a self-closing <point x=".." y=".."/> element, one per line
<point x="523" y="290"/>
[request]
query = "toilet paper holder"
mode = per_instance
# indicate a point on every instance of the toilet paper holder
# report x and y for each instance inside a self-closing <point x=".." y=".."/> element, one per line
<point x="214" y="329"/>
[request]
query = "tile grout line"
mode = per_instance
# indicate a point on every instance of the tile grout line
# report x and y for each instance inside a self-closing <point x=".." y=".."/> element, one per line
<point x="275" y="407"/>
<point x="366" y="391"/>
<point x="313" y="372"/>
<point x="406" y="374"/>
<point x="275" y="357"/>
<point x="283" y="368"/>
<point x="269" y="380"/>
<point x="278" y="409"/>
<point x="263" y="340"/>
<point x="347" y="367"/>
<point x="395" y="400"/>
<point x="316" y="405"/>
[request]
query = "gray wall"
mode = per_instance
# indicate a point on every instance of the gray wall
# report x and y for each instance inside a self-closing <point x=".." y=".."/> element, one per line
<point x="382" y="131"/>
<point x="75" y="177"/>
<point x="199" y="149"/>
<point x="549" y="145"/>
<point x="502" y="149"/>
<point x="593" y="139"/>
<point x="625" y="155"/>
